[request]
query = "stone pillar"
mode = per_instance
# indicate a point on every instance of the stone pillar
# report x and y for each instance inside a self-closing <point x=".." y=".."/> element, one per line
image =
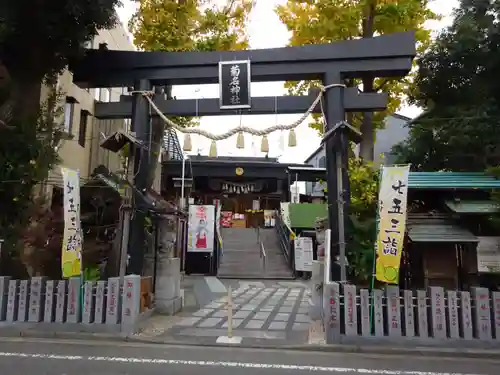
<point x="350" y="310"/>
<point x="423" y="318"/>
<point x="466" y="316"/>
<point x="316" y="300"/>
<point x="4" y="293"/>
<point x="131" y="300"/>
<point x="61" y="301"/>
<point x="409" y="313"/>
<point x="36" y="300"/>
<point x="22" y="313"/>
<point x="74" y="308"/>
<point x="453" y="328"/>
<point x="49" y="312"/>
<point x="168" y="299"/>
<point x="378" y="312"/>
<point x="495" y="297"/>
<point x="364" y="302"/>
<point x="482" y="313"/>
<point x="331" y="305"/>
<point x="100" y="302"/>
<point x="438" y="318"/>
<point x="112" y="302"/>
<point x="88" y="303"/>
<point x="393" y="306"/>
<point x="12" y="301"/>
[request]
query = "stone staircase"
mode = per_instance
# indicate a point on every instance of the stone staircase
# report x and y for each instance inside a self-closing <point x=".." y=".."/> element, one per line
<point x="242" y="259"/>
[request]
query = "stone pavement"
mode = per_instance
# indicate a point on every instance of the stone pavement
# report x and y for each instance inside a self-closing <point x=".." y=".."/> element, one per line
<point x="270" y="312"/>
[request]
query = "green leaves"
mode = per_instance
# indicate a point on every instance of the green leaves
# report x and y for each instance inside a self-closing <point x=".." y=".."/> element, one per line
<point x="456" y="83"/>
<point x="42" y="41"/>
<point x="325" y="21"/>
<point x="192" y="25"/>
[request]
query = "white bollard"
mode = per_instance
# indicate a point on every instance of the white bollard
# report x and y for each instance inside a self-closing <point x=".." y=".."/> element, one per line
<point x="229" y="339"/>
<point x="229" y="313"/>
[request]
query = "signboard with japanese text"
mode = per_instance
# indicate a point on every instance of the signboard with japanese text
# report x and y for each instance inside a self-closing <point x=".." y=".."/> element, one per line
<point x="234" y="84"/>
<point x="72" y="239"/>
<point x="392" y="222"/>
<point x="201" y="228"/>
<point x="303" y="254"/>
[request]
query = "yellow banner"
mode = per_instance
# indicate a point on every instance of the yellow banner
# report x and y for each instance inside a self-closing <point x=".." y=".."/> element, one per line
<point x="72" y="240"/>
<point x="392" y="222"/>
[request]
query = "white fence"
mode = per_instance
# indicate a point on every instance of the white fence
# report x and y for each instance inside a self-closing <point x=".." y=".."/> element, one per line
<point x="421" y="314"/>
<point x="56" y="303"/>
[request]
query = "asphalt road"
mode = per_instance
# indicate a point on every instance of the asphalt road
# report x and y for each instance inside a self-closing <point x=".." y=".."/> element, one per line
<point x="56" y="357"/>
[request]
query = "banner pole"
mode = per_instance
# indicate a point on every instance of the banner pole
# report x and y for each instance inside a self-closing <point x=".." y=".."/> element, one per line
<point x="374" y="263"/>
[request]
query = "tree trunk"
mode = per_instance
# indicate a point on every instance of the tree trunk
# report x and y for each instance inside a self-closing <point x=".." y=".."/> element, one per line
<point x="366" y="148"/>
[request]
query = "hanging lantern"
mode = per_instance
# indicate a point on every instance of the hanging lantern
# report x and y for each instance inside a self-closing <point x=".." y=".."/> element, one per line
<point x="264" y="147"/>
<point x="188" y="146"/>
<point x="292" y="138"/>
<point x="240" y="140"/>
<point x="213" y="150"/>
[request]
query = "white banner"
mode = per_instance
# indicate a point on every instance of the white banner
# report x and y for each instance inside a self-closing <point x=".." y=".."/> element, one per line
<point x="303" y="254"/>
<point x="71" y="256"/>
<point x="201" y="228"/>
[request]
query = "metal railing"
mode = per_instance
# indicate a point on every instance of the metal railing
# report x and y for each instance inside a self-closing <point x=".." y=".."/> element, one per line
<point x="262" y="251"/>
<point x="263" y="257"/>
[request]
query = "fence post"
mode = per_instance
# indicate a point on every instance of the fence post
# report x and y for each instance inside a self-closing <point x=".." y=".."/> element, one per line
<point x="364" y="303"/>
<point x="88" y="305"/>
<point x="112" y="305"/>
<point x="423" y="316"/>
<point x="481" y="313"/>
<point x="36" y="299"/>
<point x="22" y="312"/>
<point x="495" y="297"/>
<point x="100" y="302"/>
<point x="331" y="304"/>
<point x="378" y="312"/>
<point x="393" y="306"/>
<point x="466" y="315"/>
<point x="4" y="293"/>
<point x="50" y="302"/>
<point x="350" y="310"/>
<point x="409" y="313"/>
<point x="453" y="329"/>
<point x="61" y="301"/>
<point x="438" y="318"/>
<point x="12" y="301"/>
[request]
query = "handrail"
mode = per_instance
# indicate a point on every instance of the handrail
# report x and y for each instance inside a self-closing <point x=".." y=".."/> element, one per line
<point x="263" y="257"/>
<point x="262" y="250"/>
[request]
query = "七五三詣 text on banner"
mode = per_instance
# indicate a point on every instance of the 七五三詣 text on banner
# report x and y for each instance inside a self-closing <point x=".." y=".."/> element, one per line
<point x="392" y="222"/>
<point x="72" y="239"/>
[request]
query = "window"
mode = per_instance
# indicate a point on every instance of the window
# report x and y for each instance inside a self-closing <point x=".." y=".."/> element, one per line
<point x="82" y="131"/>
<point x="97" y="94"/>
<point x="322" y="162"/>
<point x="105" y="95"/>
<point x="69" y="108"/>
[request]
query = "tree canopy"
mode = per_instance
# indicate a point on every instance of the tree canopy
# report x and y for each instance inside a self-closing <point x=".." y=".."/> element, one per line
<point x="39" y="38"/>
<point x="324" y="21"/>
<point x="456" y="86"/>
<point x="191" y="25"/>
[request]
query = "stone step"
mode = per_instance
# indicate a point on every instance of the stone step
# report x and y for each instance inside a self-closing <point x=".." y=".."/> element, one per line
<point x="242" y="258"/>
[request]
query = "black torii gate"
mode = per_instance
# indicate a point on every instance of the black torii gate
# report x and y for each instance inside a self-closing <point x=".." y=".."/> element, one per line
<point x="382" y="56"/>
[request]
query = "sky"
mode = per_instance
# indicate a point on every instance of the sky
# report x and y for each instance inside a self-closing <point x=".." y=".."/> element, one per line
<point x="263" y="24"/>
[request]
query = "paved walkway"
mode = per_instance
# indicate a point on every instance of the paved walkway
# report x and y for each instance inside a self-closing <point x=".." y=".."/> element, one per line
<point x="269" y="312"/>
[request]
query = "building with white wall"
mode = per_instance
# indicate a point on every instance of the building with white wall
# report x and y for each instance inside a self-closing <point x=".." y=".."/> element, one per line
<point x="80" y="149"/>
<point x="395" y="131"/>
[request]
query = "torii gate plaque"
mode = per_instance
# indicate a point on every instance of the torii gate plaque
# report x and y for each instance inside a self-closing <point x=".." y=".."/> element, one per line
<point x="382" y="56"/>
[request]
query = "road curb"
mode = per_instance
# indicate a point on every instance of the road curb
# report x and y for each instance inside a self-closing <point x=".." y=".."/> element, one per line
<point x="335" y="348"/>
